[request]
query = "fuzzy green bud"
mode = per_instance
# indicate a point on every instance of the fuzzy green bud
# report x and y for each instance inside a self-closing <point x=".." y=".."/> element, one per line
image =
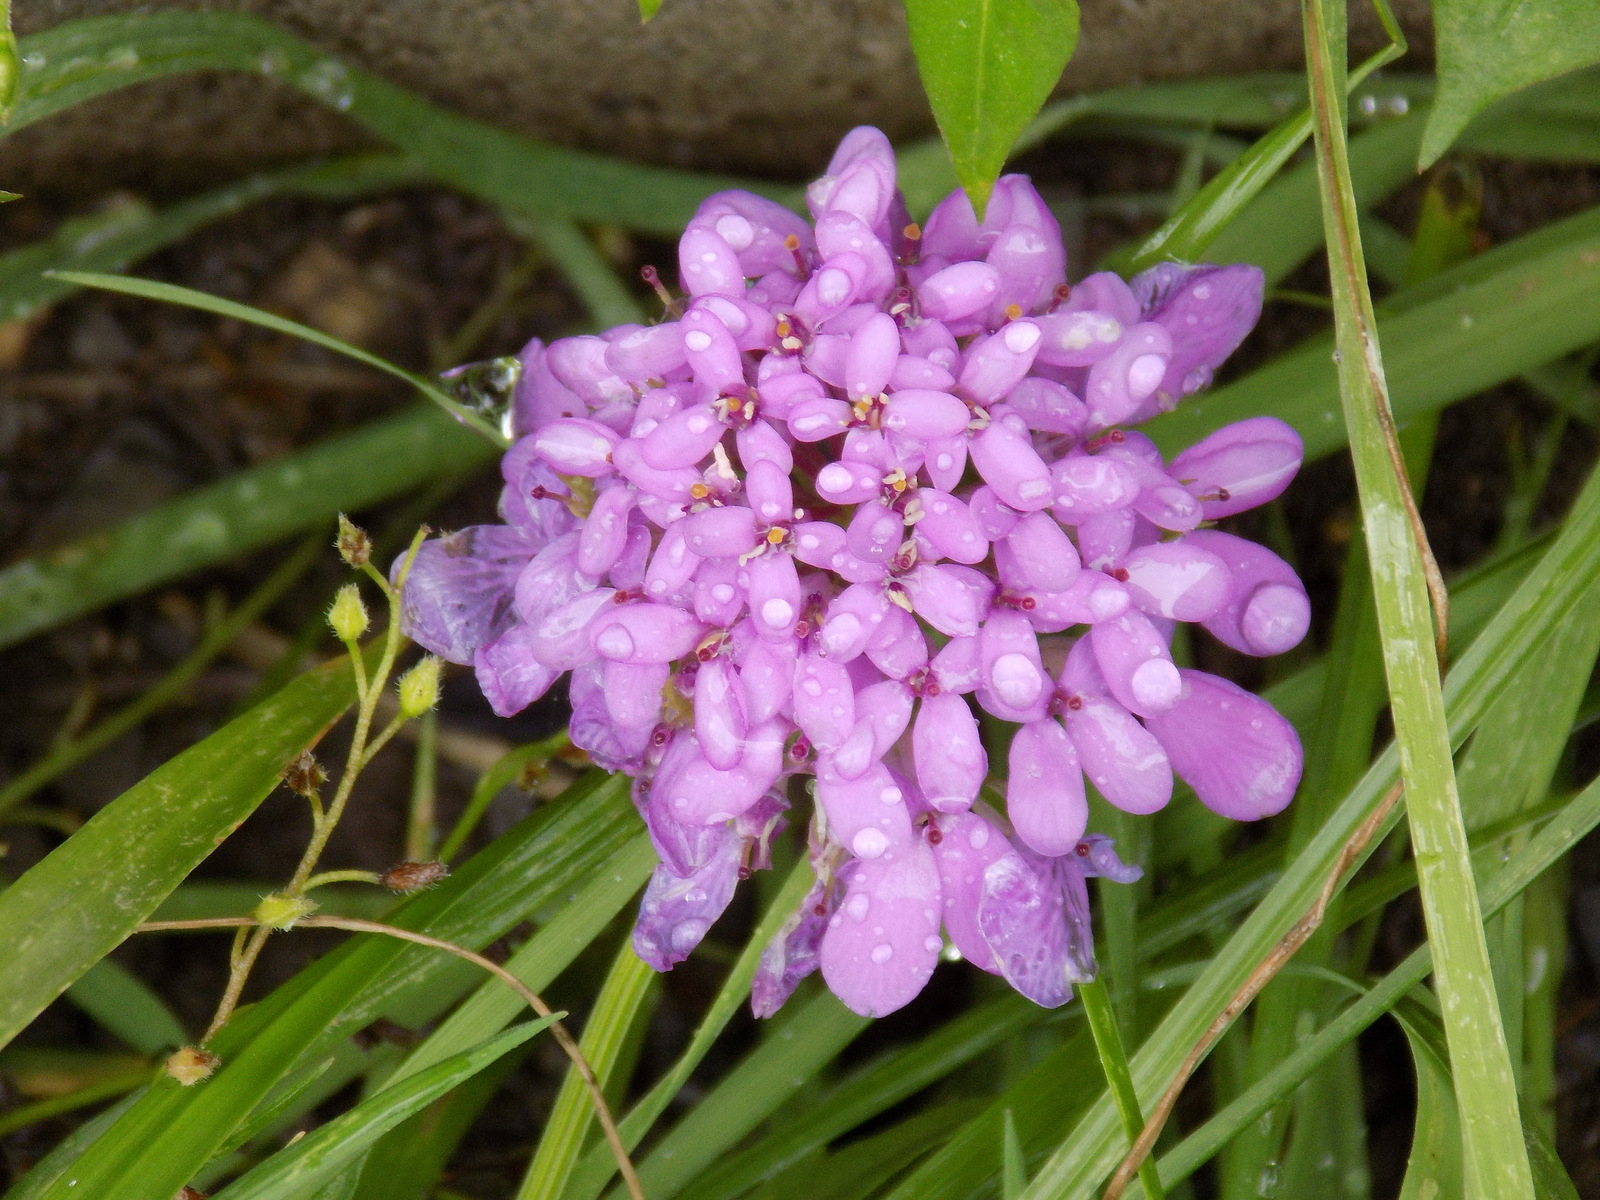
<point x="419" y="687"/>
<point x="280" y="912"/>
<point x="348" y="616"/>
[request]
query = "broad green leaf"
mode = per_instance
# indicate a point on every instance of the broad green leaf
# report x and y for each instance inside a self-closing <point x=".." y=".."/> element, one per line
<point x="319" y="1156"/>
<point x="76" y="61"/>
<point x="78" y="904"/>
<point x="171" y="293"/>
<point x="248" y="510"/>
<point x="127" y="1006"/>
<point x="988" y="66"/>
<point x="648" y="9"/>
<point x="1490" y="48"/>
<point x="131" y="230"/>
<point x="166" y="1138"/>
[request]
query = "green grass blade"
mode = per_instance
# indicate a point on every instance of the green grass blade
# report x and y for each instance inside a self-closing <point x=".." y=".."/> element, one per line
<point x="248" y="510"/>
<point x="125" y="1005"/>
<point x="1496" y="1161"/>
<point x="590" y="1179"/>
<point x="128" y="232"/>
<point x="171" y="293"/>
<point x="167" y="1137"/>
<point x="82" y="900"/>
<point x="538" y="962"/>
<point x="1014" y="1168"/>
<point x="805" y="1041"/>
<point x="1434" y="1166"/>
<point x="319" y="1156"/>
<point x="620" y="1004"/>
<point x="82" y="59"/>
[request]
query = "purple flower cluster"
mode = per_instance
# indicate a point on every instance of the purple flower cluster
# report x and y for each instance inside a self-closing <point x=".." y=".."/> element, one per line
<point x="861" y="476"/>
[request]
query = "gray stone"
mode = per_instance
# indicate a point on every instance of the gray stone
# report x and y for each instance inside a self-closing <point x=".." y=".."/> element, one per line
<point x="754" y="85"/>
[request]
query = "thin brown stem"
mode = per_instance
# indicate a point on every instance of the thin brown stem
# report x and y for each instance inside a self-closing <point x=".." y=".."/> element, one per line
<point x="564" y="1039"/>
<point x="1276" y="959"/>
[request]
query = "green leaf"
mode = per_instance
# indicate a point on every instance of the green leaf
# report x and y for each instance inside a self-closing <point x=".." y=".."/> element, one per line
<point x="131" y="230"/>
<point x="1490" y="48"/>
<point x="78" y="904"/>
<point x="244" y="512"/>
<point x="171" y="293"/>
<point x="167" y="1138"/>
<point x="648" y="9"/>
<point x="319" y="1156"/>
<point x="78" y="60"/>
<point x="127" y="1006"/>
<point x="988" y="66"/>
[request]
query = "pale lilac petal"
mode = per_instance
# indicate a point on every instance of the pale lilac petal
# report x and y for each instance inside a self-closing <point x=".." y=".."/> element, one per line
<point x="769" y="492"/>
<point x="719" y="719"/>
<point x="683" y="848"/>
<point x="925" y="415"/>
<point x="1022" y="919"/>
<point x="697" y="792"/>
<point x="949" y="529"/>
<point x="1104" y="540"/>
<point x="672" y="486"/>
<point x="1096" y="857"/>
<point x="1240" y="466"/>
<point x="849" y="482"/>
<point x="1122" y="381"/>
<point x="824" y="701"/>
<point x="853" y="617"/>
<point x="1049" y="407"/>
<point x="885" y="708"/>
<point x="913" y="372"/>
<point x="673" y="564"/>
<point x="1119" y="756"/>
<point x="760" y="442"/>
<point x="756" y="227"/>
<point x="844" y="233"/>
<point x="1078" y="339"/>
<point x="1027" y="250"/>
<point x="708" y="265"/>
<point x="792" y="953"/>
<point x="718" y="597"/>
<point x="712" y="353"/>
<point x="648" y="351"/>
<point x="724" y="532"/>
<point x="882" y="944"/>
<point x="683" y="439"/>
<point x="1133" y="656"/>
<point x="766" y="674"/>
<point x="957" y="668"/>
<point x="1181" y="580"/>
<point x="1045" y="797"/>
<point x="997" y="363"/>
<point x="1091" y="598"/>
<point x="951" y="230"/>
<point x="947" y="460"/>
<point x="1014" y="686"/>
<point x="866" y="814"/>
<point x="1104" y="292"/>
<point x="816" y="542"/>
<point x="947" y="749"/>
<point x="1043" y="552"/>
<point x="874" y="349"/>
<point x="561" y="639"/>
<point x="633" y="691"/>
<point x="644" y="633"/>
<point x="958" y="291"/>
<point x="817" y="418"/>
<point x="459" y="592"/>
<point x="509" y="674"/>
<point x="1010" y="465"/>
<point x="575" y="446"/>
<point x="1207" y="309"/>
<point x="898" y="648"/>
<point x="675" y="913"/>
<point x="605" y="531"/>
<point x="1089" y="485"/>
<point x="1240" y="756"/>
<point x="540" y="396"/>
<point x="995" y="518"/>
<point x="610" y="746"/>
<point x="773" y="588"/>
<point x="965" y="846"/>
<point x="942" y="599"/>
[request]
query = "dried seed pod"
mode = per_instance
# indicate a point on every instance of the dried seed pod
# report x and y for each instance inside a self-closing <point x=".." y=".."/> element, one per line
<point x="355" y="547"/>
<point x="413" y="876"/>
<point x="190" y="1064"/>
<point x="305" y="776"/>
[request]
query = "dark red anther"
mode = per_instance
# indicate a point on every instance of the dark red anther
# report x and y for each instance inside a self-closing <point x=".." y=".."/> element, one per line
<point x="934" y="836"/>
<point x="1082" y="849"/>
<point x="1027" y="604"/>
<point x="1060" y="296"/>
<point x="744" y="872"/>
<point x="659" y="737"/>
<point x="1223" y="494"/>
<point x="1074" y="702"/>
<point x="539" y="492"/>
<point x="705" y="653"/>
<point x="1120" y="574"/>
<point x="802" y="629"/>
<point x="819" y="910"/>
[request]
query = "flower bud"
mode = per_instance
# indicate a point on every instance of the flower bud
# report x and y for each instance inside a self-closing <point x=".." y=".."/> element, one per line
<point x="413" y="876"/>
<point x="348" y="616"/>
<point x="190" y="1064"/>
<point x="355" y="547"/>
<point x="419" y="687"/>
<point x="305" y="776"/>
<point x="280" y="912"/>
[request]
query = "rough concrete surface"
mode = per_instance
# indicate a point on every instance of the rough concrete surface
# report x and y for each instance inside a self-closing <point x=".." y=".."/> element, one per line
<point x="756" y="85"/>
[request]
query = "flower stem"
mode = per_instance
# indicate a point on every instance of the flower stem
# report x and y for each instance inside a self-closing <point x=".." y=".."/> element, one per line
<point x="1108" y="1041"/>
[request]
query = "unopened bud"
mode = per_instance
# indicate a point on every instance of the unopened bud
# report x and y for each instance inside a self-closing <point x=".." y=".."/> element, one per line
<point x="413" y="876"/>
<point x="348" y="616"/>
<point x="355" y="547"/>
<point x="190" y="1064"/>
<point x="305" y="776"/>
<point x="280" y="912"/>
<point x="419" y="687"/>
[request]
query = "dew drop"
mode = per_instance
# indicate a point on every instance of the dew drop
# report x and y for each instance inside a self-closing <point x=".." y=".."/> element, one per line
<point x="882" y="953"/>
